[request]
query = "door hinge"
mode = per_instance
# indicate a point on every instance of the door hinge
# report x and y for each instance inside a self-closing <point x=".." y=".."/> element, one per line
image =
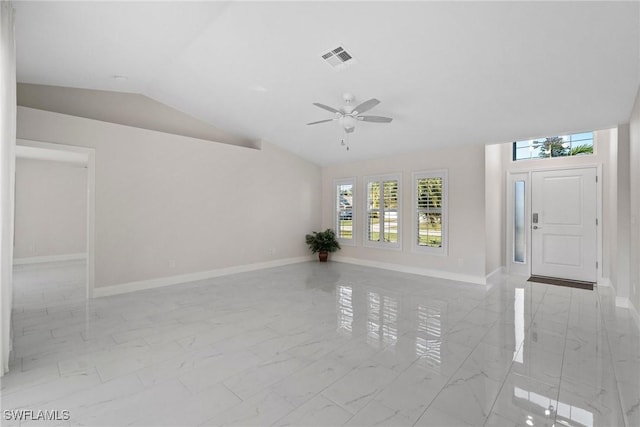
<point x="596" y="221"/>
<point x="596" y="178"/>
<point x="596" y="265"/>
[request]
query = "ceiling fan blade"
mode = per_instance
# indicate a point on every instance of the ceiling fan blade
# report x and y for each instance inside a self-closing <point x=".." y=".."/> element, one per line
<point x="320" y="121"/>
<point x="376" y="119"/>
<point x="366" y="106"/>
<point x="326" y="107"/>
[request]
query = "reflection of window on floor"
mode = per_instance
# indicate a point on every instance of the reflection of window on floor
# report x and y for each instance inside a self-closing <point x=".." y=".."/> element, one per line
<point x="382" y="321"/>
<point x="545" y="406"/>
<point x="373" y="321"/>
<point x="428" y="339"/>
<point x="389" y="320"/>
<point x="518" y="309"/>
<point x="577" y="144"/>
<point x="345" y="310"/>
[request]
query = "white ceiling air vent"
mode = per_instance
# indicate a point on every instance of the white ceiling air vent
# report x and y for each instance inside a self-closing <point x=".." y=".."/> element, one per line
<point x="338" y="58"/>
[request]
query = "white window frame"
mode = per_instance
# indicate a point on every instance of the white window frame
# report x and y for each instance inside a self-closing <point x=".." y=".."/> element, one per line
<point x="444" y="175"/>
<point x="345" y="181"/>
<point x="365" y="236"/>
<point x="594" y="145"/>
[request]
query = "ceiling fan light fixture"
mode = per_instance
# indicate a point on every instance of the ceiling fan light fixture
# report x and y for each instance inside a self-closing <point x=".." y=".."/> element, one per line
<point x="348" y="122"/>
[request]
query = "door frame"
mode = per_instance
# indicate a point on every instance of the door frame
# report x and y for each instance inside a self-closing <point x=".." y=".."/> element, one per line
<point x="80" y="155"/>
<point x="524" y="269"/>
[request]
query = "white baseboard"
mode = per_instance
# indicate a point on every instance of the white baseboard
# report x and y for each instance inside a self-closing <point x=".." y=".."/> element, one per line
<point x="49" y="258"/>
<point x="192" y="277"/>
<point x="635" y="313"/>
<point x="622" y="302"/>
<point x="495" y="275"/>
<point x="440" y="274"/>
<point x="605" y="282"/>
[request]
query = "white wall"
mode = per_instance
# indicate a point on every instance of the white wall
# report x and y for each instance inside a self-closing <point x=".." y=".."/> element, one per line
<point x="494" y="208"/>
<point x="466" y="251"/>
<point x="50" y="209"/>
<point x="610" y="189"/>
<point x="623" y="244"/>
<point x="634" y="175"/>
<point x="169" y="205"/>
<point x="7" y="174"/>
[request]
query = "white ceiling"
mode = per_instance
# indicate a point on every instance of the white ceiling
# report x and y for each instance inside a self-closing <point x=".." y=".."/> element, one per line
<point x="449" y="73"/>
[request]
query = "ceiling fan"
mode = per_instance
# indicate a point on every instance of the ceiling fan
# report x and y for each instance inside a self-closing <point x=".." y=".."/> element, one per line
<point x="348" y="115"/>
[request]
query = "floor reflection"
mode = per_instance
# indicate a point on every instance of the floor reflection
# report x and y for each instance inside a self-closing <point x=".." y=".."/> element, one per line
<point x="412" y="329"/>
<point x="382" y="320"/>
<point x="547" y="407"/>
<point x="429" y="336"/>
<point x="345" y="310"/>
<point x="518" y="321"/>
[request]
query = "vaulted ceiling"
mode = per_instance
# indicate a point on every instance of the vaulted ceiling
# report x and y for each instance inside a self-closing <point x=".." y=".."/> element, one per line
<point x="449" y="73"/>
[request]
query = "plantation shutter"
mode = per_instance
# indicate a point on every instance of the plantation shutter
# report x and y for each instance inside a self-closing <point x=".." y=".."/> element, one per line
<point x="344" y="210"/>
<point x="383" y="213"/>
<point x="429" y="212"/>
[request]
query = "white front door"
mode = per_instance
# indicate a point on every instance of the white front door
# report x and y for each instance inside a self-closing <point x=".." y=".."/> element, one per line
<point x="564" y="224"/>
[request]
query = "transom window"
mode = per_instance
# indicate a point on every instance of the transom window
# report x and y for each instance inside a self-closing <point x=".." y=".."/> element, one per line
<point x="383" y="211"/>
<point x="577" y="144"/>
<point x="344" y="210"/>
<point x="430" y="211"/>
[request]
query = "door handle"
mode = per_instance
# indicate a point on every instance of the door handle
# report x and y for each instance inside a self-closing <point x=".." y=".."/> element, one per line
<point x="535" y="227"/>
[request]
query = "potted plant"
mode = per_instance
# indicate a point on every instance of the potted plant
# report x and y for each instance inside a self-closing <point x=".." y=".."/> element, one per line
<point x="322" y="242"/>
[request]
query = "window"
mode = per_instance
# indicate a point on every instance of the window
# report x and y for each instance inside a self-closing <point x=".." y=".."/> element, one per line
<point x="383" y="211"/>
<point x="554" y="146"/>
<point x="344" y="198"/>
<point x="519" y="232"/>
<point x="430" y="211"/>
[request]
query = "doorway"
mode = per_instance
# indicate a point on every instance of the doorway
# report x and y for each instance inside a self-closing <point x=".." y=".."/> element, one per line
<point x="552" y="223"/>
<point x="85" y="157"/>
<point x="564" y="224"/>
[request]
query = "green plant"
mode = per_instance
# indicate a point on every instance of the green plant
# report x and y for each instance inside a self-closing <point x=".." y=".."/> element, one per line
<point x="322" y="241"/>
<point x="582" y="149"/>
<point x="552" y="146"/>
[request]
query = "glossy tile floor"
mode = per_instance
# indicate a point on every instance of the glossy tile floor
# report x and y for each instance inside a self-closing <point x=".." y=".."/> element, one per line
<point x="315" y="344"/>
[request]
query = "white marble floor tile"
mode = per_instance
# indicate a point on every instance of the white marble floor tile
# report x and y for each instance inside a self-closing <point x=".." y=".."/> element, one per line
<point x="318" y="411"/>
<point x="217" y="369"/>
<point x="127" y="409"/>
<point x="311" y="380"/>
<point x="434" y="417"/>
<point x="468" y="396"/>
<point x="629" y="388"/>
<point x="261" y="409"/>
<point x="410" y="393"/>
<point x="377" y="414"/>
<point x="192" y="410"/>
<point x="39" y="395"/>
<point x="525" y="401"/>
<point x="589" y="405"/>
<point x="538" y="363"/>
<point x="311" y="344"/>
<point x="88" y="401"/>
<point x="361" y="385"/>
<point x="248" y="382"/>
